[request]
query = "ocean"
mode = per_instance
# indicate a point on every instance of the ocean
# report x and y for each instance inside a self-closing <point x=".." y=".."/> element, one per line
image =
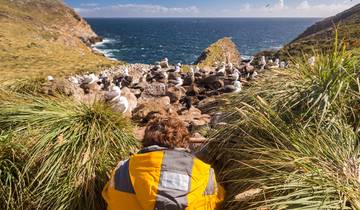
<point x="147" y="40"/>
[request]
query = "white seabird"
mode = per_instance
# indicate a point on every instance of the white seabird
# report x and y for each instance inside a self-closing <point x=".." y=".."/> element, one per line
<point x="222" y="68"/>
<point x="178" y="68"/>
<point x="231" y="67"/>
<point x="238" y="86"/>
<point x="179" y="82"/>
<point x="50" y="78"/>
<point x="126" y="72"/>
<point x="263" y="62"/>
<point x="235" y="75"/>
<point x="253" y="75"/>
<point x="74" y="80"/>
<point x="312" y="61"/>
<point x="282" y="64"/>
<point x="119" y="102"/>
<point x="165" y="63"/>
<point x="197" y="69"/>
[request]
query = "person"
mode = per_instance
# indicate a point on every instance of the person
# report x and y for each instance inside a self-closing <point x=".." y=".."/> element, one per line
<point x="164" y="174"/>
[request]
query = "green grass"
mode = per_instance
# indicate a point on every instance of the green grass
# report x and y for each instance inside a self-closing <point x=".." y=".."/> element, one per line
<point x="292" y="139"/>
<point x="72" y="148"/>
<point x="12" y="180"/>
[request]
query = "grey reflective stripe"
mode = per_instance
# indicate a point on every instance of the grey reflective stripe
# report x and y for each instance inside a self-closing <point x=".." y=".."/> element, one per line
<point x="211" y="186"/>
<point x="175" y="164"/>
<point x="122" y="178"/>
<point x="152" y="148"/>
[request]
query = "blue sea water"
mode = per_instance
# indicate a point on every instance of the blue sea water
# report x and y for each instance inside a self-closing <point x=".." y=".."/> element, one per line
<point x="144" y="40"/>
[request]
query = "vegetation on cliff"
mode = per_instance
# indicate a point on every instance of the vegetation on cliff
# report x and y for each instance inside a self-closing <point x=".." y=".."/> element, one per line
<point x="223" y="50"/>
<point x="320" y="36"/>
<point x="44" y="37"/>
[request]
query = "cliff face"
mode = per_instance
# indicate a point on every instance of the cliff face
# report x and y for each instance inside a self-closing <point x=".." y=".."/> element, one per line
<point x="39" y="37"/>
<point x="321" y="34"/>
<point x="221" y="51"/>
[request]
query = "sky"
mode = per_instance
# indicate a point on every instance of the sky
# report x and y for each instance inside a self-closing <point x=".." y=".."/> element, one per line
<point x="210" y="8"/>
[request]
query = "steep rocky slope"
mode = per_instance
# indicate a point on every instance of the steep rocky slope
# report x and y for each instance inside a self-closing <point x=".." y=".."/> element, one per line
<point x="321" y="34"/>
<point x="39" y="37"/>
<point x="221" y="51"/>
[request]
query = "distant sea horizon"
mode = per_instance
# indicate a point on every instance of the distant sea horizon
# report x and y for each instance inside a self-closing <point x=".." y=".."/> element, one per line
<point x="147" y="40"/>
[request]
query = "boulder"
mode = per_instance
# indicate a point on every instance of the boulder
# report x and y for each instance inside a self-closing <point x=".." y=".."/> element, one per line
<point x="224" y="50"/>
<point x="210" y="105"/>
<point x="90" y="88"/>
<point x="193" y="90"/>
<point x="212" y="82"/>
<point x="175" y="93"/>
<point x="194" y="119"/>
<point x="152" y="107"/>
<point x="58" y="87"/>
<point x="155" y="89"/>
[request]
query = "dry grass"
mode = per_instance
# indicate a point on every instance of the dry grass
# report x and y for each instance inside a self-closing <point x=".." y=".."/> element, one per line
<point x="32" y="45"/>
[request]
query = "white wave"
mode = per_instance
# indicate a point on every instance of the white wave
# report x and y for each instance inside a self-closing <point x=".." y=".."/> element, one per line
<point x="109" y="53"/>
<point x="104" y="41"/>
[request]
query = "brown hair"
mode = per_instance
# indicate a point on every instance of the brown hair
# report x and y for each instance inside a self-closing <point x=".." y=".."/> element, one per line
<point x="166" y="132"/>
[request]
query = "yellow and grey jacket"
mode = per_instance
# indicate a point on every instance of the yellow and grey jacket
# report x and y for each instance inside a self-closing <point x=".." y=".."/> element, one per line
<point x="162" y="179"/>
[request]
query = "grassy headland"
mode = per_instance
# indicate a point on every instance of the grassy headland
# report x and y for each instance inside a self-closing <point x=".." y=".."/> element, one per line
<point x="39" y="38"/>
<point x="320" y="36"/>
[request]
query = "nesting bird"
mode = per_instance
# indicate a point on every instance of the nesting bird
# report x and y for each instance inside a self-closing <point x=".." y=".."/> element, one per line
<point x="262" y="62"/>
<point x="235" y="75"/>
<point x="126" y="72"/>
<point x="312" y="61"/>
<point x="282" y="64"/>
<point x="221" y="69"/>
<point x="120" y="103"/>
<point x="178" y="68"/>
<point x="164" y="63"/>
<point x="74" y="80"/>
<point x="179" y="82"/>
<point x="238" y="86"/>
<point x="253" y="75"/>
<point x="234" y="88"/>
<point x="50" y="78"/>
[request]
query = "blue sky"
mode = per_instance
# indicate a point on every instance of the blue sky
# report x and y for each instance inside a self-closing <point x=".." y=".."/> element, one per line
<point x="210" y="8"/>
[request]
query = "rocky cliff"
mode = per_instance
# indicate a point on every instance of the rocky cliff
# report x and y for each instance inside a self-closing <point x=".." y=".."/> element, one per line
<point x="321" y="34"/>
<point x="39" y="37"/>
<point x="223" y="50"/>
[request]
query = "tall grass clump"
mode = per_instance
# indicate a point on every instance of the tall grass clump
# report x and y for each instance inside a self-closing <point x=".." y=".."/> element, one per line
<point x="265" y="163"/>
<point x="24" y="86"/>
<point x="12" y="180"/>
<point x="321" y="93"/>
<point x="292" y="140"/>
<point x="72" y="148"/>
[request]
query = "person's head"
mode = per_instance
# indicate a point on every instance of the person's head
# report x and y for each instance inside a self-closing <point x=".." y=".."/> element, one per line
<point x="167" y="132"/>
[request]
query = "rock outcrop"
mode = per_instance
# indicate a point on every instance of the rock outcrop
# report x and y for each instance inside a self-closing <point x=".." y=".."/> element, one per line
<point x="224" y="50"/>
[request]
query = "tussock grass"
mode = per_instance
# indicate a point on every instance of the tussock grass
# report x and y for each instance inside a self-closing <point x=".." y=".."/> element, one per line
<point x="12" y="180"/>
<point x="24" y="86"/>
<point x="292" y="140"/>
<point x="322" y="93"/>
<point x="288" y="167"/>
<point x="72" y="147"/>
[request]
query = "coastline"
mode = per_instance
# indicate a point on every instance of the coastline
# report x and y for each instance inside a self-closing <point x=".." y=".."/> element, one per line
<point x="106" y="52"/>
